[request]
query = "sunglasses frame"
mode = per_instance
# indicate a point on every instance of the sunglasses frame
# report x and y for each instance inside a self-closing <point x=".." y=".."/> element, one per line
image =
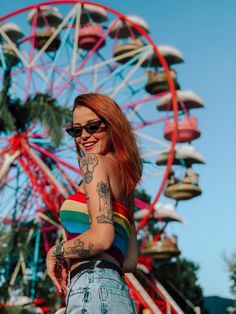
<point x="72" y="130"/>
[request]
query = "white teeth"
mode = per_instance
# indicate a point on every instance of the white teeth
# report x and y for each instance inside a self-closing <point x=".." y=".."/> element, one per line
<point x="88" y="144"/>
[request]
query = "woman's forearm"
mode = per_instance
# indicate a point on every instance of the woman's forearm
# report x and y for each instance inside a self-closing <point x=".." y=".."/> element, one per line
<point x="86" y="245"/>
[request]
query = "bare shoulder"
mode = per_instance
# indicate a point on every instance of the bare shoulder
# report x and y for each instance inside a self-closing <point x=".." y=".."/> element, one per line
<point x="96" y="167"/>
<point x="91" y="163"/>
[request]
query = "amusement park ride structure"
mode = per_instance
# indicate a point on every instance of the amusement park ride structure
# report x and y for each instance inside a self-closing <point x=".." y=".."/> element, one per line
<point x="49" y="53"/>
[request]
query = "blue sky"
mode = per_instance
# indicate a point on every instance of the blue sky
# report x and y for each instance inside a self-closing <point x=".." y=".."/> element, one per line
<point x="205" y="32"/>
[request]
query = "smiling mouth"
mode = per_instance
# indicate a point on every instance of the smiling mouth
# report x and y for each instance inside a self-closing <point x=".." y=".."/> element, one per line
<point x="88" y="145"/>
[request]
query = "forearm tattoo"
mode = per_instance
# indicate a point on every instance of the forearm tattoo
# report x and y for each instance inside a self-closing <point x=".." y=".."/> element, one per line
<point x="79" y="249"/>
<point x="87" y="165"/>
<point x="105" y="204"/>
<point x="87" y="197"/>
<point x="90" y="217"/>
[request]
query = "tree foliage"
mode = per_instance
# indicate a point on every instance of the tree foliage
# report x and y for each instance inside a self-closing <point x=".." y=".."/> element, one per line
<point x="180" y="279"/>
<point x="142" y="195"/>
<point x="33" y="282"/>
<point x="17" y="116"/>
<point x="231" y="264"/>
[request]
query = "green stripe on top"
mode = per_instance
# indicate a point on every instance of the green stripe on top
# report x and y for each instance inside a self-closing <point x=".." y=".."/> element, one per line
<point x="68" y="215"/>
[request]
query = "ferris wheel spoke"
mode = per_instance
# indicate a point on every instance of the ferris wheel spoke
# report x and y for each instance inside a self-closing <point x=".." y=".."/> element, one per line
<point x="14" y="48"/>
<point x="154" y="174"/>
<point x="69" y="16"/>
<point x="76" y="39"/>
<point x="133" y="112"/>
<point x="8" y="161"/>
<point x="138" y="102"/>
<point x="115" y="72"/>
<point x="81" y="69"/>
<point x="48" y="219"/>
<point x="60" y="50"/>
<point x="150" y="153"/>
<point x="31" y="55"/>
<point x="95" y="76"/>
<point x="2" y="59"/>
<point x="55" y="158"/>
<point x="37" y="71"/>
<point x="88" y="56"/>
<point x="130" y="84"/>
<point x="112" y="60"/>
<point x="131" y="73"/>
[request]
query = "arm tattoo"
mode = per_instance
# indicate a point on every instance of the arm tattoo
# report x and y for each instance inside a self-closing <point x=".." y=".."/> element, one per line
<point x="87" y="165"/>
<point x="89" y="213"/>
<point x="79" y="250"/>
<point x="105" y="204"/>
<point x="87" y="197"/>
<point x="90" y="217"/>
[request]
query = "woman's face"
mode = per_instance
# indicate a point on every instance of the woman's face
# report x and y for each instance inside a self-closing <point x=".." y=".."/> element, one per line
<point x="99" y="142"/>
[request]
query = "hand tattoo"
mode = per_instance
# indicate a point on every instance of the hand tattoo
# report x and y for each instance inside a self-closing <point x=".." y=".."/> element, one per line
<point x="87" y="165"/>
<point x="105" y="204"/>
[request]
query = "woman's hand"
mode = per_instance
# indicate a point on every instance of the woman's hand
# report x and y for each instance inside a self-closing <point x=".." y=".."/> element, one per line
<point x="57" y="270"/>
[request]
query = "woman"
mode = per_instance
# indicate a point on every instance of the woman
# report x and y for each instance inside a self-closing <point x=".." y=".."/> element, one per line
<point x="98" y="220"/>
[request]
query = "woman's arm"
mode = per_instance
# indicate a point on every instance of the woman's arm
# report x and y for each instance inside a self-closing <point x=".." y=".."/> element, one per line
<point x="100" y="235"/>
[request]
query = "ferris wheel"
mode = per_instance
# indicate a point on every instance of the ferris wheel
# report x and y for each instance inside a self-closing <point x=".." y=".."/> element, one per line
<point x="51" y="52"/>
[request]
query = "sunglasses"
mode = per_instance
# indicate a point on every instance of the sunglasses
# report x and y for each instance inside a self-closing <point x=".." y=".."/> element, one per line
<point x="91" y="128"/>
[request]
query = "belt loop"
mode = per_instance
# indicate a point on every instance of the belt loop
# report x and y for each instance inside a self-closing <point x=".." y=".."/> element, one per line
<point x="97" y="263"/>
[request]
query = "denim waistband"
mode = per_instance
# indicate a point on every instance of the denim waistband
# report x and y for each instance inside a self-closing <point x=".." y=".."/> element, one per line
<point x="98" y="264"/>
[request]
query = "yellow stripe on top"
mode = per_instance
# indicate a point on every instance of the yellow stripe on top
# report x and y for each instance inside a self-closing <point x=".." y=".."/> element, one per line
<point x="76" y="206"/>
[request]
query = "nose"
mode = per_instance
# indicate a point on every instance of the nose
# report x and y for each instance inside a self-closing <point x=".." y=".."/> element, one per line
<point x="84" y="134"/>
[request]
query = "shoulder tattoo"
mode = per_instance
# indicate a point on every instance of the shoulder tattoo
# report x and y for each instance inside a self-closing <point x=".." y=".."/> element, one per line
<point x="105" y="203"/>
<point x="87" y="166"/>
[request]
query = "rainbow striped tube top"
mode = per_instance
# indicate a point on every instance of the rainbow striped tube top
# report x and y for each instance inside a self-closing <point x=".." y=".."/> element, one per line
<point x="75" y="220"/>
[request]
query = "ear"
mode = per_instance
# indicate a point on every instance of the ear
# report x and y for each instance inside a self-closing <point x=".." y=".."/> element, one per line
<point x="79" y="151"/>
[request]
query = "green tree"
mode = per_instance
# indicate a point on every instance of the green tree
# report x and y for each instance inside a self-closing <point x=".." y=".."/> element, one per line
<point x="15" y="243"/>
<point x="179" y="277"/>
<point x="17" y="116"/>
<point x="142" y="195"/>
<point x="231" y="265"/>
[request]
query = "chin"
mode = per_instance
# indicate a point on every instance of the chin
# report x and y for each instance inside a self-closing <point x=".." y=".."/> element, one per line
<point x="91" y="151"/>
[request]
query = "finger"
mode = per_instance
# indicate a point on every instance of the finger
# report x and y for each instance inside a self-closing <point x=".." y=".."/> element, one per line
<point x="64" y="274"/>
<point x="63" y="286"/>
<point x="56" y="282"/>
<point x="62" y="283"/>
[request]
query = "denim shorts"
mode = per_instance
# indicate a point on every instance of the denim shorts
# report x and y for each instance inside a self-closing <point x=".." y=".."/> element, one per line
<point x="98" y="291"/>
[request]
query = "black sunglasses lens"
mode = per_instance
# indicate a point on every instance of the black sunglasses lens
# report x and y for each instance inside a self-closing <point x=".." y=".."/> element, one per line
<point x="93" y="127"/>
<point x="74" y="132"/>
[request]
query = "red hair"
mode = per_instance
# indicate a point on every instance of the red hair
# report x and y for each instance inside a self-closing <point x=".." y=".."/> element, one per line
<point x="123" y="140"/>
